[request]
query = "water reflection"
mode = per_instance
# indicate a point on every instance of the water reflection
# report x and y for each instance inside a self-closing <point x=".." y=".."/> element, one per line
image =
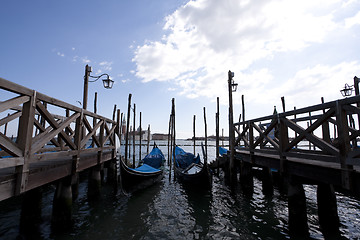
<point x="199" y="203"/>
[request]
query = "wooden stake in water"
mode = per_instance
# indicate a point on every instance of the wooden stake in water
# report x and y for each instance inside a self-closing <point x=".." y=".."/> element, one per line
<point x="134" y="133"/>
<point x="206" y="153"/>
<point x="127" y="129"/>
<point x="169" y="144"/>
<point x="148" y="140"/>
<point x="140" y="132"/>
<point x="217" y="125"/>
<point x="194" y="133"/>
<point x="174" y="134"/>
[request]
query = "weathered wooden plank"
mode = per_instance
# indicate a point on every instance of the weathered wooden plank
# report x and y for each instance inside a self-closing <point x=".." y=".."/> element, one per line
<point x="58" y="129"/>
<point x="11" y="162"/>
<point x="10" y="147"/>
<point x="325" y="146"/>
<point x="16" y="101"/>
<point x="91" y="134"/>
<point x="44" y="131"/>
<point x="264" y="135"/>
<point x="55" y="125"/>
<point x="25" y="129"/>
<point x="15" y="88"/>
<point x="9" y="118"/>
<point x="109" y="133"/>
<point x="7" y="189"/>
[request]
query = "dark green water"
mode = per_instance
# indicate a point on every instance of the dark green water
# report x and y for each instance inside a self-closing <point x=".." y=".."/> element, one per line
<point x="168" y="211"/>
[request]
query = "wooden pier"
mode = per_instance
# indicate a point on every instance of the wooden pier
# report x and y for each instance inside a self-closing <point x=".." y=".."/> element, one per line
<point x="316" y="145"/>
<point x="52" y="140"/>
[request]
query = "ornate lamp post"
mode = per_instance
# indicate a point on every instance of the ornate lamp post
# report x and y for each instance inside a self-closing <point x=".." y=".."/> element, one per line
<point x="347" y="90"/>
<point x="108" y="83"/>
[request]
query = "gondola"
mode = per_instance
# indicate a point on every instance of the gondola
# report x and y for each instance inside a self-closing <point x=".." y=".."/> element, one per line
<point x="190" y="170"/>
<point x="149" y="172"/>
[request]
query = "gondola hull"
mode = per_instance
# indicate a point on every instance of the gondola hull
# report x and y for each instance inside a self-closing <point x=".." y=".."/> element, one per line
<point x="132" y="180"/>
<point x="201" y="178"/>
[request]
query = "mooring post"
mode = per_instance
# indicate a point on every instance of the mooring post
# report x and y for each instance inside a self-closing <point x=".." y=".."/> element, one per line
<point x="30" y="217"/>
<point x="327" y="211"/>
<point x="194" y="139"/>
<point x="62" y="206"/>
<point x="174" y="134"/>
<point x="232" y="172"/>
<point x="94" y="184"/>
<point x="127" y="130"/>
<point x="246" y="178"/>
<point x="148" y="139"/>
<point x="140" y="136"/>
<point x="205" y="124"/>
<point x="134" y="134"/>
<point x="217" y="123"/>
<point x="298" y="225"/>
<point x="267" y="182"/>
<point x="170" y="143"/>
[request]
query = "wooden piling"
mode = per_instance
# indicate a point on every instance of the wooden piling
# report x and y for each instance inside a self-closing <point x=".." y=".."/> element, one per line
<point x="246" y="178"/>
<point x="174" y="134"/>
<point x="194" y="137"/>
<point x="148" y="140"/>
<point x="232" y="173"/>
<point x="169" y="143"/>
<point x="30" y="217"/>
<point x="205" y="124"/>
<point x="62" y="206"/>
<point x="140" y="139"/>
<point x="327" y="211"/>
<point x="94" y="182"/>
<point x="127" y="129"/>
<point x="267" y="182"/>
<point x="298" y="226"/>
<point x="217" y="123"/>
<point x="134" y="134"/>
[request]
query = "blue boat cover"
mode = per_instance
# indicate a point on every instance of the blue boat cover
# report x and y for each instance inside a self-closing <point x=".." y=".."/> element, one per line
<point x="184" y="159"/>
<point x="222" y="151"/>
<point x="145" y="168"/>
<point x="155" y="158"/>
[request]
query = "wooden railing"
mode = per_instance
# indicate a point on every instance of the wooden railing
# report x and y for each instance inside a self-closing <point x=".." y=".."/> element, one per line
<point x="326" y="133"/>
<point x="48" y="129"/>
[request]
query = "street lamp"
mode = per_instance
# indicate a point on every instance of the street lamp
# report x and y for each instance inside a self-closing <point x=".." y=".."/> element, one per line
<point x="107" y="82"/>
<point x="347" y="90"/>
<point x="231" y="81"/>
<point x="232" y="88"/>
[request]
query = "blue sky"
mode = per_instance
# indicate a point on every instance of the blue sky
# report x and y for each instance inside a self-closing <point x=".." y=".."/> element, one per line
<point x="157" y="50"/>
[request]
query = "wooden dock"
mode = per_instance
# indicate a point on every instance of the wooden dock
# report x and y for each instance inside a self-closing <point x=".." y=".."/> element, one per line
<point x="316" y="145"/>
<point x="52" y="140"/>
<point x="330" y="155"/>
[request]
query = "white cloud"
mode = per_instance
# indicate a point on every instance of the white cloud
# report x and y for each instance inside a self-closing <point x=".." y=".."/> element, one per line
<point x="352" y="21"/>
<point x="85" y="60"/>
<point x="206" y="38"/>
<point x="60" y="54"/>
<point x="106" y="66"/>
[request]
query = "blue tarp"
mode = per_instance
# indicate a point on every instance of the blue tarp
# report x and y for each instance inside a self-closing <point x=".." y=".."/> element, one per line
<point x="155" y="158"/>
<point x="222" y="151"/>
<point x="145" y="168"/>
<point x="184" y="159"/>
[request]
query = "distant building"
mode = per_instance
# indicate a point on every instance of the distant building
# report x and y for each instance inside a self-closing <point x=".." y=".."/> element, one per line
<point x="160" y="136"/>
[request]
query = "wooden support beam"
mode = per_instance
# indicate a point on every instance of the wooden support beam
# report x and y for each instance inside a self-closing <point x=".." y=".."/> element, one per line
<point x="26" y="124"/>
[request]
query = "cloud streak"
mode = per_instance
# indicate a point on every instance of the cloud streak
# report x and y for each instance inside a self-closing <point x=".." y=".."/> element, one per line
<point x="204" y="39"/>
